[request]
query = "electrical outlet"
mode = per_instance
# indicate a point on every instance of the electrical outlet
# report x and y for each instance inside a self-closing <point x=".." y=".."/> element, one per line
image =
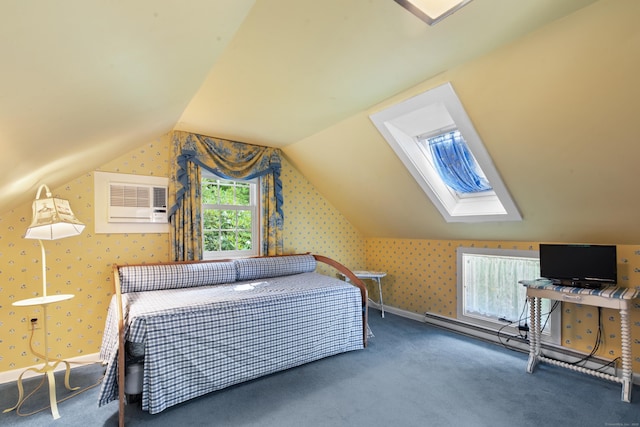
<point x="35" y="324"/>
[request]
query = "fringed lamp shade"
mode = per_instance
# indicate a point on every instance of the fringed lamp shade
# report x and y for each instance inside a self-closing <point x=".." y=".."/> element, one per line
<point x="52" y="219"/>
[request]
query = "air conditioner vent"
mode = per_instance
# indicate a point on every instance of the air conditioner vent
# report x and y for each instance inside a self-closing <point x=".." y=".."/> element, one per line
<point x="129" y="196"/>
<point x="137" y="203"/>
<point x="159" y="197"/>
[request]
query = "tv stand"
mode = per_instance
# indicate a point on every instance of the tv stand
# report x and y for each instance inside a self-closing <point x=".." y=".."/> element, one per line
<point x="609" y="297"/>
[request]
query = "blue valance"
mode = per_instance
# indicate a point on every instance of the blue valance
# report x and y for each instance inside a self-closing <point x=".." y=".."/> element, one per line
<point x="228" y="160"/>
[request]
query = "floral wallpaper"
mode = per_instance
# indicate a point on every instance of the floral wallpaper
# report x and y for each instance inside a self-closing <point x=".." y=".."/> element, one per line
<point x="313" y="225"/>
<point x="79" y="265"/>
<point x="421" y="274"/>
<point x="82" y="265"/>
<point x="421" y="277"/>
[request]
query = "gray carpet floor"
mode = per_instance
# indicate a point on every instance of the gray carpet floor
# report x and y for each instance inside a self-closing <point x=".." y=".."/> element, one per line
<point x="412" y="374"/>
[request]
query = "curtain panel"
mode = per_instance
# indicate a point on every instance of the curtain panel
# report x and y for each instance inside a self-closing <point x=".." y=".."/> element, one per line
<point x="455" y="164"/>
<point x="491" y="286"/>
<point x="228" y="160"/>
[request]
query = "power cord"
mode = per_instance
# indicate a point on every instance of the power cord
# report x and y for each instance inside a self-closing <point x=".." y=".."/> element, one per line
<point x="523" y="330"/>
<point x="22" y="414"/>
<point x="501" y="335"/>
<point x="596" y="345"/>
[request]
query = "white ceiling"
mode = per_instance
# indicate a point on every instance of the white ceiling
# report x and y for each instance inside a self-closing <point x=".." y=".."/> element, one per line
<point x="84" y="82"/>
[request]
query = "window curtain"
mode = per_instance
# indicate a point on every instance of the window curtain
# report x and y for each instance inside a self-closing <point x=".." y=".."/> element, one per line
<point x="228" y="160"/>
<point x="455" y="163"/>
<point x="491" y="285"/>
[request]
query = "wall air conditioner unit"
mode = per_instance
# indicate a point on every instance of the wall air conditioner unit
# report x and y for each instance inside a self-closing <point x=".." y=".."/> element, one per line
<point x="126" y="203"/>
<point x="137" y="203"/>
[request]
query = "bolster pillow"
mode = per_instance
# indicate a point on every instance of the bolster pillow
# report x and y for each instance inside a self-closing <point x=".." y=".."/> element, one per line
<point x="259" y="268"/>
<point x="140" y="278"/>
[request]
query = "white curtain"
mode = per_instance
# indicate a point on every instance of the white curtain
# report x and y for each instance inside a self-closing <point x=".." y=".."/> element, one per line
<point x="491" y="287"/>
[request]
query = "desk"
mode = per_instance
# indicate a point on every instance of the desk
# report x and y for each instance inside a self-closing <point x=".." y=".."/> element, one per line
<point x="610" y="297"/>
<point x="373" y="275"/>
<point x="50" y="364"/>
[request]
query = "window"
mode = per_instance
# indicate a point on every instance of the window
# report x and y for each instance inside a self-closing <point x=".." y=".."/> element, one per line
<point x="489" y="294"/>
<point x="406" y="125"/>
<point x="449" y="155"/>
<point x="230" y="217"/>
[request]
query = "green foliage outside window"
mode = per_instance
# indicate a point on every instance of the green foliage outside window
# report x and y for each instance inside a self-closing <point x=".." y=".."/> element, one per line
<point x="227" y="226"/>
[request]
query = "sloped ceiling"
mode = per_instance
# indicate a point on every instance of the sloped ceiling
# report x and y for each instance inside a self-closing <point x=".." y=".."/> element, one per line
<point x="298" y="67"/>
<point x="82" y="83"/>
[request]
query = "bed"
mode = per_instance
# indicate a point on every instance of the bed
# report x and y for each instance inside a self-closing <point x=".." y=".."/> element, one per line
<point x="198" y="327"/>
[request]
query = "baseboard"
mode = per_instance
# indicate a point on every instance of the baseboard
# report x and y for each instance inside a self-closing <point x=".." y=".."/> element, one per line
<point x="11" y="376"/>
<point x="514" y="342"/>
<point x="397" y="311"/>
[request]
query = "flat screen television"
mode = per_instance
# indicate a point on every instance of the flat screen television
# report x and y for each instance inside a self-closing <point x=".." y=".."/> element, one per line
<point x="579" y="265"/>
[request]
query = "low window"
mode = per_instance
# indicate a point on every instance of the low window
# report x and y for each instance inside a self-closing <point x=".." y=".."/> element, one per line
<point x="489" y="294"/>
<point x="230" y="218"/>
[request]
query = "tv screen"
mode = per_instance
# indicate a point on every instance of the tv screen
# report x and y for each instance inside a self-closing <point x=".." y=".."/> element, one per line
<point x="579" y="265"/>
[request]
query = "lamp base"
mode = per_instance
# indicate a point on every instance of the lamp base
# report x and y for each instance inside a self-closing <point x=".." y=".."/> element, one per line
<point x="48" y="370"/>
<point x="50" y="364"/>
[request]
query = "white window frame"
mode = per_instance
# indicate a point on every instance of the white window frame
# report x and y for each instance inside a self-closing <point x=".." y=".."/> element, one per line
<point x="439" y="108"/>
<point x="552" y="332"/>
<point x="255" y="224"/>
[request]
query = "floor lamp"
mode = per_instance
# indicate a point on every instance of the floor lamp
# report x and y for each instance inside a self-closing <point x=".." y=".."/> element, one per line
<point x="52" y="220"/>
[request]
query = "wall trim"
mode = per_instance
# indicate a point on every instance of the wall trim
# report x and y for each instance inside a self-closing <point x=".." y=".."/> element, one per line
<point x="11" y="376"/>
<point x="396" y="311"/>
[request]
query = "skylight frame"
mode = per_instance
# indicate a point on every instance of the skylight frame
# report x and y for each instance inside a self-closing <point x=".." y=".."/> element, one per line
<point x="439" y="108"/>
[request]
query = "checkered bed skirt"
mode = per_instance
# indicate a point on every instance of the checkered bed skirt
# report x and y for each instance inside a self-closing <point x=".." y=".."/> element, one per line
<point x="199" y="340"/>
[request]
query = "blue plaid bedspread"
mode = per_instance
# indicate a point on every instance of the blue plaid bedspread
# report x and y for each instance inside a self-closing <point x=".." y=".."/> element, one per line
<point x="198" y="340"/>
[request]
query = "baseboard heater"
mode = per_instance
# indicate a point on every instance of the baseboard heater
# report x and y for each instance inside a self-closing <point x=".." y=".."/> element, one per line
<point x="518" y="343"/>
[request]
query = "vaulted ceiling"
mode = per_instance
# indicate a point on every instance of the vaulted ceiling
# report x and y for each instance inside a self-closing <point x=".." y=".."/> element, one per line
<point x="550" y="86"/>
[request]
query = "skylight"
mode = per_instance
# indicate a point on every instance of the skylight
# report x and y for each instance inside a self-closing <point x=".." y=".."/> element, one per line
<point x="410" y="125"/>
<point x="432" y="11"/>
<point x="449" y="154"/>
